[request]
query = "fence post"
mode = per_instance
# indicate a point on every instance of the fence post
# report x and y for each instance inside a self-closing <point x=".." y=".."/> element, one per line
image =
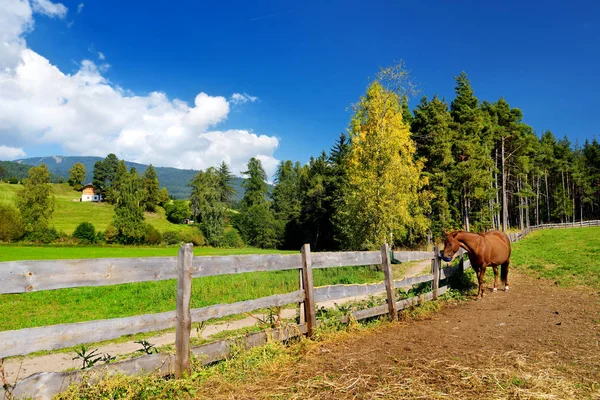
<point x="389" y="281"/>
<point x="309" y="294"/>
<point x="301" y="309"/>
<point x="461" y="259"/>
<point x="184" y="319"/>
<point x="435" y="270"/>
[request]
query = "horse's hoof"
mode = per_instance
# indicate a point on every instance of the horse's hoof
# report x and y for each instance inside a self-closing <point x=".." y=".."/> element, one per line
<point x="506" y="288"/>
<point x="494" y="289"/>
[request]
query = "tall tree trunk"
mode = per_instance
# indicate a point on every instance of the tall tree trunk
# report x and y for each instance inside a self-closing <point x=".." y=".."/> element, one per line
<point x="520" y="189"/>
<point x="537" y="201"/>
<point x="527" y="206"/>
<point x="547" y="197"/>
<point x="497" y="213"/>
<point x="573" y="208"/>
<point x="562" y="206"/>
<point x="504" y="196"/>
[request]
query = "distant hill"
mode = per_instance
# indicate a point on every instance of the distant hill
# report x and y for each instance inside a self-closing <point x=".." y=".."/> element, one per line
<point x="12" y="169"/>
<point x="175" y="180"/>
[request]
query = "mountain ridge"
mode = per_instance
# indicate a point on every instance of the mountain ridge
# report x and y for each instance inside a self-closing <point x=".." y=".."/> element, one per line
<point x="174" y="179"/>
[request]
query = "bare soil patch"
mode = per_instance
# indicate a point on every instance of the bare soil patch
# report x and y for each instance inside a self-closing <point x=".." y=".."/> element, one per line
<point x="536" y="341"/>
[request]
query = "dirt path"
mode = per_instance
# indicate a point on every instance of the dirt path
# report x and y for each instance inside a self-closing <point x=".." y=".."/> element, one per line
<point x="536" y="341"/>
<point x="20" y="368"/>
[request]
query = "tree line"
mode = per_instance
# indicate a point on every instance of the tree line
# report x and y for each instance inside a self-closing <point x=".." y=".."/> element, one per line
<point x="401" y="175"/>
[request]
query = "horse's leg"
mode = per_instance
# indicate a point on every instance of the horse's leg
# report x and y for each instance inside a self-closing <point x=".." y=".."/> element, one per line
<point x="482" y="282"/>
<point x="504" y="274"/>
<point x="495" y="267"/>
<point x="480" y="276"/>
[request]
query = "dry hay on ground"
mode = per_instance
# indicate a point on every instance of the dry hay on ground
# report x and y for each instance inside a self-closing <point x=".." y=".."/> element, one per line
<point x="537" y="341"/>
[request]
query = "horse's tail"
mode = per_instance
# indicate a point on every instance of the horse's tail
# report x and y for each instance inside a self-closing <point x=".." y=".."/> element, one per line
<point x="504" y="272"/>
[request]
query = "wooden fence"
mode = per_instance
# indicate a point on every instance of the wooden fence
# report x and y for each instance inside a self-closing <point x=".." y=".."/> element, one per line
<point x="516" y="236"/>
<point x="29" y="276"/>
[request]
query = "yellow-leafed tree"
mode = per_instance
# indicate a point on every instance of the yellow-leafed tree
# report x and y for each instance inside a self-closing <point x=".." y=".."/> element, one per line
<point x="384" y="201"/>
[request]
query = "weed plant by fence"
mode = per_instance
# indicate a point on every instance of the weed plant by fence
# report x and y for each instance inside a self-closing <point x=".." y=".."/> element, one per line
<point x="28" y="276"/>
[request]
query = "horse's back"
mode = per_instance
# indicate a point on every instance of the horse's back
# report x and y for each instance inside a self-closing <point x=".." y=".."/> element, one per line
<point x="499" y="244"/>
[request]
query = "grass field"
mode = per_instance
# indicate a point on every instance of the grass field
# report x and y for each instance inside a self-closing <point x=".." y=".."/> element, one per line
<point x="57" y="252"/>
<point x="567" y="256"/>
<point x="69" y="213"/>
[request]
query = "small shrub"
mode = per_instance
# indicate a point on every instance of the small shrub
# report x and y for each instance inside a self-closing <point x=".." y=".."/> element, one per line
<point x="152" y="235"/>
<point x="231" y="239"/>
<point x="171" y="237"/>
<point x="111" y="234"/>
<point x="45" y="236"/>
<point x="177" y="210"/>
<point x="194" y="236"/>
<point x="13" y="180"/>
<point x="85" y="233"/>
<point x="11" y="227"/>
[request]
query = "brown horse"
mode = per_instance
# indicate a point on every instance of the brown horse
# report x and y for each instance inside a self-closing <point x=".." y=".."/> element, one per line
<point x="487" y="249"/>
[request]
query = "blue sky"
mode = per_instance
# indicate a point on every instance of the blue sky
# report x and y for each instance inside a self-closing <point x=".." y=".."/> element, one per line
<point x="308" y="62"/>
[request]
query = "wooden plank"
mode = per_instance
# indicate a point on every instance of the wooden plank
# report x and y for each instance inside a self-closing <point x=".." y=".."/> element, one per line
<point x="29" y="276"/>
<point x="435" y="270"/>
<point x="336" y="292"/>
<point x="343" y="259"/>
<point x="47" y="384"/>
<point x="225" y="265"/>
<point x="389" y="281"/>
<point x="184" y="319"/>
<point x="414" y="280"/>
<point x="301" y="311"/>
<point x="413" y="255"/>
<point x="400" y="305"/>
<point x="224" y="310"/>
<point x="29" y="340"/>
<point x="309" y="295"/>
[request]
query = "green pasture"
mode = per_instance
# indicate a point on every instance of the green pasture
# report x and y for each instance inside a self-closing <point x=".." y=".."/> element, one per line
<point x="567" y="256"/>
<point x="70" y="212"/>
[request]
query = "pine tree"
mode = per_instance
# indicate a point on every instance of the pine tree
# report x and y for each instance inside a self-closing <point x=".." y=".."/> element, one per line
<point x="472" y="152"/>
<point x="35" y="200"/>
<point x="255" y="185"/>
<point x="432" y="133"/>
<point x="225" y="178"/>
<point x="76" y="175"/>
<point x="151" y="189"/>
<point x="163" y="197"/>
<point x="206" y="205"/>
<point x="286" y="196"/>
<point x="129" y="213"/>
<point x="256" y="222"/>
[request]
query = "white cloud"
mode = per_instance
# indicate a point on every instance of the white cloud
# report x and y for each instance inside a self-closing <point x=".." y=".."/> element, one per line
<point x="49" y="8"/>
<point x="88" y="115"/>
<point x="238" y="98"/>
<point x="10" y="153"/>
<point x="80" y="8"/>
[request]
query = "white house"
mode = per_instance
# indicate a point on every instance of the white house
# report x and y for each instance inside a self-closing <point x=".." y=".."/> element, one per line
<point x="89" y="193"/>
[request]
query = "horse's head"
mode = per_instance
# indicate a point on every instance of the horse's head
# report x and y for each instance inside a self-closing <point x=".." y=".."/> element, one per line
<point x="451" y="246"/>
